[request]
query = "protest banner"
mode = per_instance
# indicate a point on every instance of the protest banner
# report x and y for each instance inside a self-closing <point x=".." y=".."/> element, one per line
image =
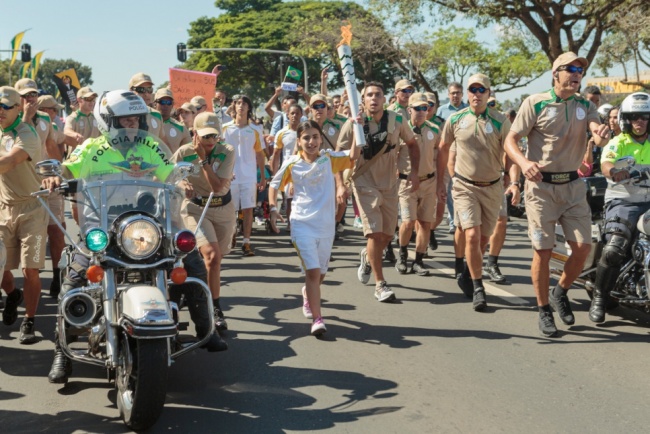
<point x="68" y="85"/>
<point x="186" y="84"/>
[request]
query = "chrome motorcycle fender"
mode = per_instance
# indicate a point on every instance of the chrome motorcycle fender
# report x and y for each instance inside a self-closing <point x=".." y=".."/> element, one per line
<point x="145" y="313"/>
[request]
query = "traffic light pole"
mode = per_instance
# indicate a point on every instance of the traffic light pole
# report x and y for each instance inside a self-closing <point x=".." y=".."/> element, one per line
<point x="26" y="56"/>
<point x="257" y="50"/>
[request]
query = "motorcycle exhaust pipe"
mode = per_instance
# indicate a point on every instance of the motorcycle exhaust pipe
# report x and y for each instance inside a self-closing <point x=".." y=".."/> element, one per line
<point x="78" y="308"/>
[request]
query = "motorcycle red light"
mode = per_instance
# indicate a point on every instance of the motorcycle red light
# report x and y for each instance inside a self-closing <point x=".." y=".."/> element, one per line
<point x="185" y="241"/>
<point x="178" y="275"/>
<point x="95" y="273"/>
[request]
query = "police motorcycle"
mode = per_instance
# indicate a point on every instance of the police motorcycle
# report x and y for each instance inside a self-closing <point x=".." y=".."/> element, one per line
<point x="131" y="236"/>
<point x="630" y="288"/>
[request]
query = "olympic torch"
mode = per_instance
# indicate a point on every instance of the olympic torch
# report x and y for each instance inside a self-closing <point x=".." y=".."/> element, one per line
<point x="347" y="69"/>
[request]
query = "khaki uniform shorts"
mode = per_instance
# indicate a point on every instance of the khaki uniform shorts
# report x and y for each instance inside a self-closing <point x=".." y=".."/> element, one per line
<point x="23" y="229"/>
<point x="56" y="204"/>
<point x="420" y="205"/>
<point x="378" y="209"/>
<point x="218" y="226"/>
<point x="477" y="206"/>
<point x="565" y="204"/>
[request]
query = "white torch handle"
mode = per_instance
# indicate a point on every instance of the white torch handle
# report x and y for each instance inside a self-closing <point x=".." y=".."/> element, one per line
<point x="347" y="69"/>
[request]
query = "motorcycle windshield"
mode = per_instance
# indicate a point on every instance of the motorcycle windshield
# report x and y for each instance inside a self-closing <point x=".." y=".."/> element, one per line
<point x="127" y="173"/>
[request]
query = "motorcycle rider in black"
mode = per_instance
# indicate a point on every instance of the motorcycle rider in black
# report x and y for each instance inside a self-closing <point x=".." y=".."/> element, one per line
<point x="625" y="203"/>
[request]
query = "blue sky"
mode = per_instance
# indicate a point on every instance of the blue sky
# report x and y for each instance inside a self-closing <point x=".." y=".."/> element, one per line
<point x="118" y="38"/>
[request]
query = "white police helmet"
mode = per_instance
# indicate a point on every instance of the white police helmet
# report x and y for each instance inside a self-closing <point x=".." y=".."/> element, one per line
<point x="116" y="104"/>
<point x="637" y="103"/>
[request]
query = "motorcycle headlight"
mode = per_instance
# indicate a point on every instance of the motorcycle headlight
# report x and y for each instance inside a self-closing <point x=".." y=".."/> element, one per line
<point x="139" y="237"/>
<point x="96" y="240"/>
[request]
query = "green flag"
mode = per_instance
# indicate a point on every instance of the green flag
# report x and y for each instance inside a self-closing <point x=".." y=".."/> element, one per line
<point x="15" y="47"/>
<point x="293" y="73"/>
<point x="24" y="69"/>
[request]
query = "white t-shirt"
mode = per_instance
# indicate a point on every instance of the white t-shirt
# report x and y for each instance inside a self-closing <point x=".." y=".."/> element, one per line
<point x="286" y="140"/>
<point x="247" y="141"/>
<point x="313" y="210"/>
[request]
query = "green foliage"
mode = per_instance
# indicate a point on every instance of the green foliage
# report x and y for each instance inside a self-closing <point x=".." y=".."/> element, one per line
<point x="308" y="28"/>
<point x="238" y="6"/>
<point x="45" y="72"/>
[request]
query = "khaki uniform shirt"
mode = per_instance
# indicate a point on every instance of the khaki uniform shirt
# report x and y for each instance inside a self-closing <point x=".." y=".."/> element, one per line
<point x="383" y="172"/>
<point x="331" y="131"/>
<point x="428" y="141"/>
<point x="176" y="134"/>
<point x="86" y="125"/>
<point x="17" y="185"/>
<point x="400" y="109"/>
<point x="556" y="129"/>
<point x="479" y="143"/>
<point x="155" y="124"/>
<point x="222" y="161"/>
<point x="43" y="127"/>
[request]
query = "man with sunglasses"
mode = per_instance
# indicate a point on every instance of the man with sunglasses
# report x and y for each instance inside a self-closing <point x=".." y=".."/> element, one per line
<point x="624" y="204"/>
<point x="475" y="162"/>
<point x="330" y="128"/>
<point x="418" y="206"/>
<point x="23" y="222"/>
<point x="142" y="85"/>
<point x="81" y="124"/>
<point x="432" y="98"/>
<point x="374" y="179"/>
<point x="175" y="132"/>
<point x="555" y="123"/>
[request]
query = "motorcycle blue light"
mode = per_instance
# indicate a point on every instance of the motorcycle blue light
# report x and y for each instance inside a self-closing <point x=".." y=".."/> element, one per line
<point x="96" y="240"/>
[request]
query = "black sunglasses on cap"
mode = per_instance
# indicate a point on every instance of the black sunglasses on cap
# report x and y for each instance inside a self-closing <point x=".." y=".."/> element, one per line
<point x="143" y="89"/>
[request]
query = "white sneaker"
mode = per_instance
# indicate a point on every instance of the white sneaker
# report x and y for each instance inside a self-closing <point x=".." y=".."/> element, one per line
<point x="306" y="310"/>
<point x="318" y="327"/>
<point x="357" y="223"/>
<point x="363" y="273"/>
<point x="383" y="292"/>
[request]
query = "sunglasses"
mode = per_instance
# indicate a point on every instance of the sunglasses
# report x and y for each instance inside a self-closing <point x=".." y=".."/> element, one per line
<point x="421" y="108"/>
<point x="143" y="89"/>
<point x="6" y="107"/>
<point x="318" y="106"/>
<point x="30" y="95"/>
<point x="210" y="136"/>
<point x="455" y="93"/>
<point x="639" y="116"/>
<point x="492" y="104"/>
<point x="432" y="104"/>
<point x="571" y="69"/>
<point x="480" y="90"/>
<point x="165" y="102"/>
<point x="407" y="90"/>
<point x="92" y="99"/>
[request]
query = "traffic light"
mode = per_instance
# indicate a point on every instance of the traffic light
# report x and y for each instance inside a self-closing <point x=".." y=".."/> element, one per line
<point x="181" y="52"/>
<point x="26" y="52"/>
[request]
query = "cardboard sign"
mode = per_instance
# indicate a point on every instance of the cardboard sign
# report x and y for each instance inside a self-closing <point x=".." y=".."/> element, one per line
<point x="68" y="85"/>
<point x="187" y="84"/>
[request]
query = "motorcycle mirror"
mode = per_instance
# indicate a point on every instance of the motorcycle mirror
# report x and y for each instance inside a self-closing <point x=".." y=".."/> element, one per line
<point x="47" y="168"/>
<point x="624" y="162"/>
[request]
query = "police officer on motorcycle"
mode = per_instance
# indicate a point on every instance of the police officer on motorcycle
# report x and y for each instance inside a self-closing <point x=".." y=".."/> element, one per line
<point x="625" y="203"/>
<point x="120" y="115"/>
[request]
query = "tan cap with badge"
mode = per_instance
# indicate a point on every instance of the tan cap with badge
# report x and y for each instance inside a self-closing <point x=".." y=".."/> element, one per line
<point x="189" y="107"/>
<point x="403" y="84"/>
<point x="199" y="101"/>
<point x="48" y="102"/>
<point x="85" y="92"/>
<point x="164" y="92"/>
<point x="25" y="86"/>
<point x="206" y="123"/>
<point x="569" y="57"/>
<point x="318" y="97"/>
<point x="9" y="96"/>
<point x="139" y="79"/>
<point x="479" y="78"/>
<point x="418" y="99"/>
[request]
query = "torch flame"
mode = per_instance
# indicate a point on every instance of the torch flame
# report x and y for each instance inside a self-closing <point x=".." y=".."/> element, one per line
<point x="346" y="35"/>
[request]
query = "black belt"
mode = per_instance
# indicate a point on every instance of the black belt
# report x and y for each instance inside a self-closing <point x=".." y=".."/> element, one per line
<point x="559" y="177"/>
<point x="216" y="201"/>
<point x="422" y="178"/>
<point x="477" y="183"/>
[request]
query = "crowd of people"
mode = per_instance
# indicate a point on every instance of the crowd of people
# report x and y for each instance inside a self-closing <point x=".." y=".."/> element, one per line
<point x="419" y="158"/>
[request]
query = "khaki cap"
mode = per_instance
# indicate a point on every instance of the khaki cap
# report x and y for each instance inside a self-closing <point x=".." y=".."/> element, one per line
<point x="189" y="107"/>
<point x="165" y="92"/>
<point x="418" y="99"/>
<point x="139" y="79"/>
<point x="431" y="97"/>
<point x="569" y="57"/>
<point x="318" y="97"/>
<point x="9" y="96"/>
<point x="48" y="102"/>
<point x="199" y="101"/>
<point x="206" y="123"/>
<point x="481" y="79"/>
<point x="403" y="84"/>
<point x="85" y="92"/>
<point x="25" y="86"/>
<point x="492" y="99"/>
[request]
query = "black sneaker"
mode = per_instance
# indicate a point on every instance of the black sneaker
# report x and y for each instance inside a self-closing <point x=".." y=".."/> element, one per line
<point x="562" y="306"/>
<point x="400" y="266"/>
<point x="464" y="281"/>
<point x="494" y="274"/>
<point x="389" y="255"/>
<point x="547" y="325"/>
<point x="27" y="335"/>
<point x="10" y="314"/>
<point x="219" y="320"/>
<point x="433" y="243"/>
<point x="420" y="269"/>
<point x="215" y="344"/>
<point x="478" y="301"/>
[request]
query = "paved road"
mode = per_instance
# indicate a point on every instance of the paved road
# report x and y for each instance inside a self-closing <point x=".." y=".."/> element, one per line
<point x="427" y="363"/>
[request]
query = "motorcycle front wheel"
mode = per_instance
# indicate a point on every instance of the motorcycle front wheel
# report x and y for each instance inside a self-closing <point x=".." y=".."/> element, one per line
<point x="141" y="381"/>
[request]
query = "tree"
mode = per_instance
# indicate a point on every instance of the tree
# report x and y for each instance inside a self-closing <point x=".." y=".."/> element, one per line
<point x="45" y="72"/>
<point x="557" y="25"/>
<point x="311" y="28"/>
